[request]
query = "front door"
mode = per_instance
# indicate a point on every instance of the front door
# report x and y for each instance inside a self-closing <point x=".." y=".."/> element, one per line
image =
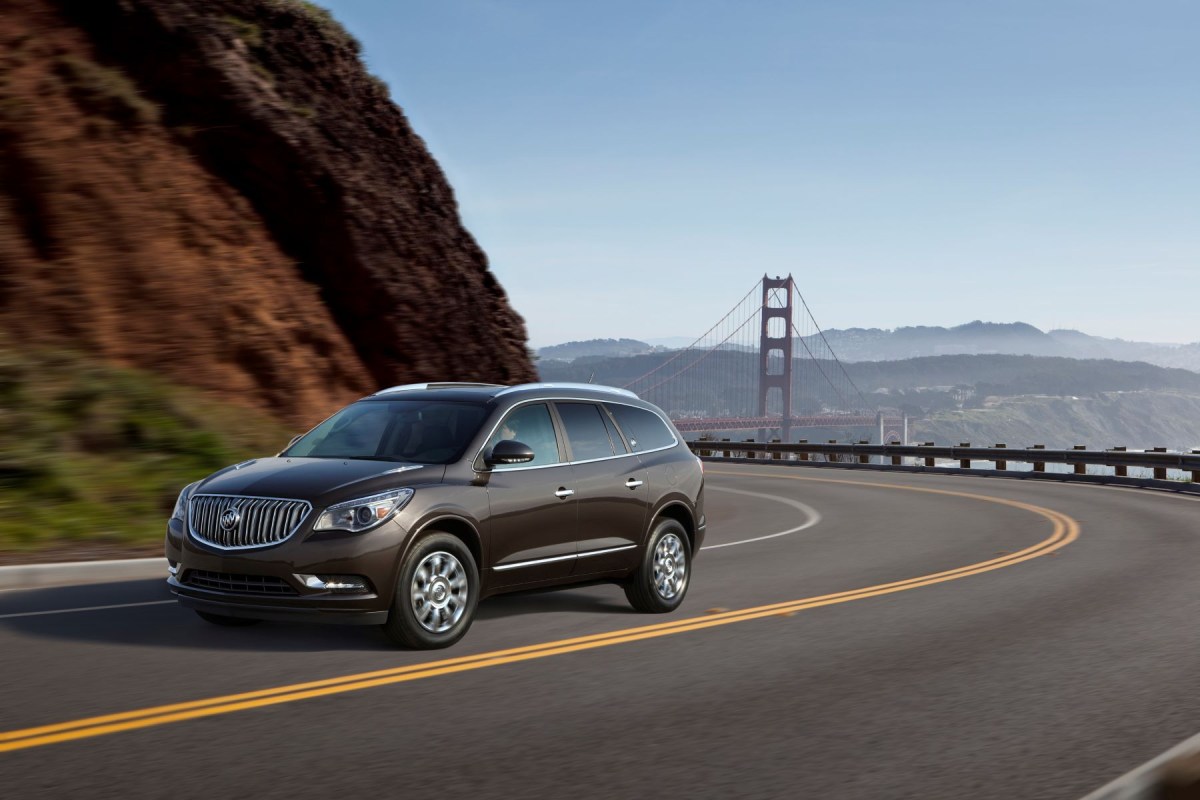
<point x="532" y="527"/>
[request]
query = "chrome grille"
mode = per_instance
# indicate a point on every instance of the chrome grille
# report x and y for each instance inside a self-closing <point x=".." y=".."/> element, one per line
<point x="238" y="584"/>
<point x="235" y="522"/>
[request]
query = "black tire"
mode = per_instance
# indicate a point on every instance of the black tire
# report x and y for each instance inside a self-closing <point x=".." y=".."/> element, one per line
<point x="228" y="622"/>
<point x="650" y="588"/>
<point x="417" y="621"/>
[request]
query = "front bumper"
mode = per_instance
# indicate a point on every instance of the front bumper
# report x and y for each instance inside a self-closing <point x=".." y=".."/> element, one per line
<point x="235" y="606"/>
<point x="374" y="556"/>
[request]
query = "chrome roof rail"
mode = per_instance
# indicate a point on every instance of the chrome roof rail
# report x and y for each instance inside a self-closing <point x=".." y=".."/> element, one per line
<point x="416" y="387"/>
<point x="594" y="387"/>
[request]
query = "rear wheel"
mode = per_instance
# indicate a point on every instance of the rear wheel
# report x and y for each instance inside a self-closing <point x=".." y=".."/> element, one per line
<point x="662" y="579"/>
<point x="228" y="622"/>
<point x="436" y="594"/>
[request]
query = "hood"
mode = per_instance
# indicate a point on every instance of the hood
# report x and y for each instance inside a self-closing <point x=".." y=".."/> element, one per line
<point x="318" y="480"/>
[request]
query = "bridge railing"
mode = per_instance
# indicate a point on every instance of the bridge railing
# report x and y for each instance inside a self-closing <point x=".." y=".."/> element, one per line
<point x="926" y="456"/>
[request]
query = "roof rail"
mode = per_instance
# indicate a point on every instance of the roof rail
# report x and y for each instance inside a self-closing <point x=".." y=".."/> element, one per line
<point x="595" y="387"/>
<point x="415" y="387"/>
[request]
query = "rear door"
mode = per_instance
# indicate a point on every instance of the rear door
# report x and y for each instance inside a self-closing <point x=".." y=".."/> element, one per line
<point x="610" y="487"/>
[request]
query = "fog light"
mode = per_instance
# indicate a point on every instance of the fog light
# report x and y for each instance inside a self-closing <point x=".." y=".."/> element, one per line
<point x="350" y="584"/>
<point x="172" y="567"/>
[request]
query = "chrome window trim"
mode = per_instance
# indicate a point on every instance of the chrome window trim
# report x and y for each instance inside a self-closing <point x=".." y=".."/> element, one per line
<point x="195" y="537"/>
<point x="488" y="438"/>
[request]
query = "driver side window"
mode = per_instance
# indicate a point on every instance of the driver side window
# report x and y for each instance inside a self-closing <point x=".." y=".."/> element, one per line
<point x="530" y="425"/>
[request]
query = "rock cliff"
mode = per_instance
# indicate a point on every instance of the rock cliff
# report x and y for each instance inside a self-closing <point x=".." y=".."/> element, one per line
<point x="219" y="191"/>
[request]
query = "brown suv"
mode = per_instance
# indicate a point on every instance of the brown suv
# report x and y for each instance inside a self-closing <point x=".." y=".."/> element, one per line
<point x="408" y="507"/>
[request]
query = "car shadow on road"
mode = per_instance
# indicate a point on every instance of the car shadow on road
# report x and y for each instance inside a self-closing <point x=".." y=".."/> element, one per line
<point x="593" y="600"/>
<point x="144" y="614"/>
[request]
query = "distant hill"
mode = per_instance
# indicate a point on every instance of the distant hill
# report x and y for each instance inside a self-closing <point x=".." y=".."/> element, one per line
<point x="1019" y="399"/>
<point x="1106" y="419"/>
<point x="570" y="351"/>
<point x="1015" y="338"/>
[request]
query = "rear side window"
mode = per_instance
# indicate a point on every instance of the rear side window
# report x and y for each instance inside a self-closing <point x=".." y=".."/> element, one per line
<point x="586" y="432"/>
<point x="530" y="425"/>
<point x="615" y="435"/>
<point x="644" y="429"/>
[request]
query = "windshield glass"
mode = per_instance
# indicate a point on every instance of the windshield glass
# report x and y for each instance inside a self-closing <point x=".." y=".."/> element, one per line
<point x="423" y="432"/>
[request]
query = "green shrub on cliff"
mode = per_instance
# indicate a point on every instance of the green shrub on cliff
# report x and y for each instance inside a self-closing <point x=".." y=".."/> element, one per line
<point x="90" y="451"/>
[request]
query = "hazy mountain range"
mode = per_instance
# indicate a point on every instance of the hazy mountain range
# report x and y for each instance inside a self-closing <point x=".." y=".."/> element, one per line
<point x="973" y="338"/>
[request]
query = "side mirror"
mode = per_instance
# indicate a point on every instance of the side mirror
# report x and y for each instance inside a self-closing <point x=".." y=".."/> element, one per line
<point x="295" y="439"/>
<point x="509" y="452"/>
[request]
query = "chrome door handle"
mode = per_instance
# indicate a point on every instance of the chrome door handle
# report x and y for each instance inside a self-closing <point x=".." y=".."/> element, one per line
<point x="632" y="483"/>
<point x="561" y="493"/>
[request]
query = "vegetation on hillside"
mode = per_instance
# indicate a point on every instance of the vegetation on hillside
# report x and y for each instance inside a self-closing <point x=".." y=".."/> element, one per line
<point x="569" y="351"/>
<point x="90" y="451"/>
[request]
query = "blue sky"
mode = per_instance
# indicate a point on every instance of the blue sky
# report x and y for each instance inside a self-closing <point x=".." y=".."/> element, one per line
<point x="632" y="168"/>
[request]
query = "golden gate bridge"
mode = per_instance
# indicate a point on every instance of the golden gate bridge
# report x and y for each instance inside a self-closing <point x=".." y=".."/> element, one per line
<point x="765" y="366"/>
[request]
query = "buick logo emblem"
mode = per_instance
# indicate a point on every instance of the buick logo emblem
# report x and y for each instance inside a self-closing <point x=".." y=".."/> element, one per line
<point x="230" y="517"/>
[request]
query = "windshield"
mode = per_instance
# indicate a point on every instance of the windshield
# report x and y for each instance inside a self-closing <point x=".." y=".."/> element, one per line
<point x="424" y="432"/>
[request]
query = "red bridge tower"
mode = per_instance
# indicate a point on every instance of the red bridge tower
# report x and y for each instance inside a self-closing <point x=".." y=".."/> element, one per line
<point x="775" y="350"/>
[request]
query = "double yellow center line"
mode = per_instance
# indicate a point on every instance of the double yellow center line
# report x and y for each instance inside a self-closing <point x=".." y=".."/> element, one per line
<point x="1065" y="531"/>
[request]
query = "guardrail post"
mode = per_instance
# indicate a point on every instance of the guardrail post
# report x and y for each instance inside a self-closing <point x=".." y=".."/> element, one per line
<point x="1039" y="466"/>
<point x="1080" y="469"/>
<point x="751" y="453"/>
<point x="929" y="461"/>
<point x="1196" y="472"/>
<point x="776" y="455"/>
<point x="1160" y="473"/>
<point x="1121" y="471"/>
<point x="1001" y="464"/>
<point x="802" y="456"/>
<point x="726" y="452"/>
<point x="897" y="461"/>
<point x="964" y="463"/>
<point x="864" y="459"/>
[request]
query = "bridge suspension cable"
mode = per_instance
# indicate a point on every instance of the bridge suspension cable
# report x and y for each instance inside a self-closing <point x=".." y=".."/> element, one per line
<point x="746" y="372"/>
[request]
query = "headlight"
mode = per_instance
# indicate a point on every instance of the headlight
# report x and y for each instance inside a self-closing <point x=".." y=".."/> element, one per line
<point x="362" y="514"/>
<point x="180" y="511"/>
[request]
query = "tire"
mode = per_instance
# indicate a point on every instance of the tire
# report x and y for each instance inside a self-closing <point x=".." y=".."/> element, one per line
<point x="436" y="594"/>
<point x="228" y="622"/>
<point x="662" y="579"/>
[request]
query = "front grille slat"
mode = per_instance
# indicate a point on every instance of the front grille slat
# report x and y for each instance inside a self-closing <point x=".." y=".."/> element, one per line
<point x="262" y="521"/>
<point x="238" y="584"/>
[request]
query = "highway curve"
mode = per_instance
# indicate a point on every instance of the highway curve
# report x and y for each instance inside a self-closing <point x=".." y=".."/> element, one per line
<point x="907" y="636"/>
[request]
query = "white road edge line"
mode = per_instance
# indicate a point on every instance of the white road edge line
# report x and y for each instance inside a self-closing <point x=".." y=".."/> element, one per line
<point x="813" y="515"/>
<point x="84" y="608"/>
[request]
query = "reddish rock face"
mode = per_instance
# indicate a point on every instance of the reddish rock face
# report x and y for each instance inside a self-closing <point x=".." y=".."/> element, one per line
<point x="216" y="189"/>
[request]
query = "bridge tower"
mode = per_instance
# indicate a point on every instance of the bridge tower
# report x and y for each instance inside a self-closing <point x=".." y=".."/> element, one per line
<point x="775" y="346"/>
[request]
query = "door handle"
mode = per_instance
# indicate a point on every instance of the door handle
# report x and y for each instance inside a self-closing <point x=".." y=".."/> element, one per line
<point x="564" y="492"/>
<point x="632" y="483"/>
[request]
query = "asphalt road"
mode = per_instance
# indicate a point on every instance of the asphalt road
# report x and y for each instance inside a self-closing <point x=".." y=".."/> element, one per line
<point x="1056" y="647"/>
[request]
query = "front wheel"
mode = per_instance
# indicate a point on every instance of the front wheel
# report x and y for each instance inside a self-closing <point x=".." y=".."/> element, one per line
<point x="662" y="579"/>
<point x="436" y="594"/>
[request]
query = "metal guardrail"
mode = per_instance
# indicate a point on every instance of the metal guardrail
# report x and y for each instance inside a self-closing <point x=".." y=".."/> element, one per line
<point x="1119" y="458"/>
